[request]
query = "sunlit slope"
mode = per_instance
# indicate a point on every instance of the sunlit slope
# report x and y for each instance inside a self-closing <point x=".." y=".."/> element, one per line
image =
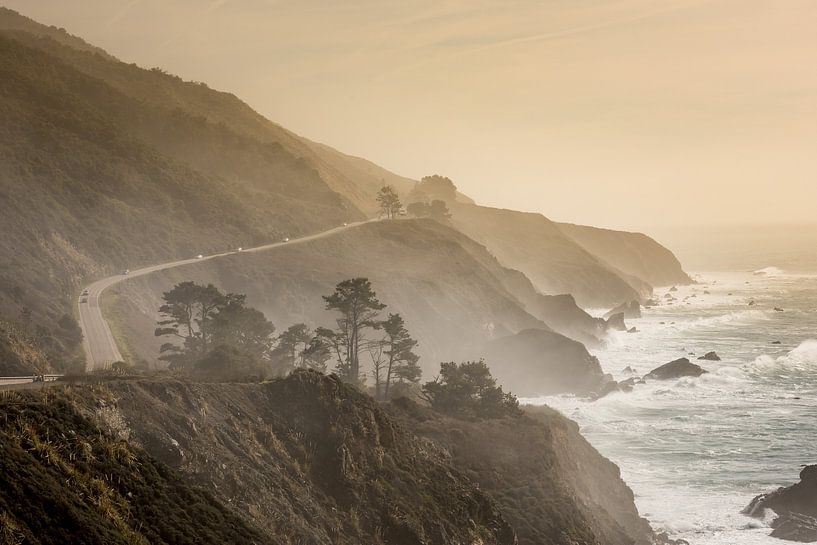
<point x="634" y="254"/>
<point x="85" y="192"/>
<point x="536" y="246"/>
<point x="210" y="129"/>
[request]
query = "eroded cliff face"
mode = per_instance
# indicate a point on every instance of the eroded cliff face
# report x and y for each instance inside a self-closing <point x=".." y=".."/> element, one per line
<point x="553" y="486"/>
<point x="307" y="459"/>
<point x="634" y="254"/>
<point x="308" y="455"/>
<point x="556" y="264"/>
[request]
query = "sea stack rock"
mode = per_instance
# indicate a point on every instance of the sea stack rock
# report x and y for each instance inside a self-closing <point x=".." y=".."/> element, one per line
<point x="795" y="507"/>
<point x="616" y="321"/>
<point x="710" y="356"/>
<point x="630" y="310"/>
<point x="681" y="367"/>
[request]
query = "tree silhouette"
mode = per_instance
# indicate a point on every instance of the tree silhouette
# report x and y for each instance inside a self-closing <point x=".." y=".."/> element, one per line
<point x="469" y="390"/>
<point x="202" y="318"/>
<point x="389" y="201"/>
<point x="289" y="350"/>
<point x="186" y="310"/>
<point x="401" y="361"/>
<point x="358" y="306"/>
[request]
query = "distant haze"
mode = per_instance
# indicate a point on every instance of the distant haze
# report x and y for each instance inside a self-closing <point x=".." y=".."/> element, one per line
<point x="619" y="113"/>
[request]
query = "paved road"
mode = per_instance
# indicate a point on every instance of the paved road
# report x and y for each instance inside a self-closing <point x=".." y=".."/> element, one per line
<point x="20" y="383"/>
<point x="99" y="344"/>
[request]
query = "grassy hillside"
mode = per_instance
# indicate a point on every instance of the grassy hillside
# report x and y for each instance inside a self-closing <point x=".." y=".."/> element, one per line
<point x="355" y="178"/>
<point x="536" y="246"/>
<point x="634" y="254"/>
<point x="93" y="180"/>
<point x="450" y="291"/>
<point x="68" y="480"/>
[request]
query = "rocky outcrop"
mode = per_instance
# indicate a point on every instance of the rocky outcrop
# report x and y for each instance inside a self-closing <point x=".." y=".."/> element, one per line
<point x="795" y="527"/>
<point x="616" y="322"/>
<point x="562" y="314"/>
<point x="539" y="362"/>
<point x="630" y="310"/>
<point x="550" y="483"/>
<point x="710" y="356"/>
<point x="307" y="459"/>
<point x="795" y="507"/>
<point x="681" y="367"/>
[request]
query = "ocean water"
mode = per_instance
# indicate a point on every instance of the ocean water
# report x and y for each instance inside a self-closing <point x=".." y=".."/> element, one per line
<point x="695" y="451"/>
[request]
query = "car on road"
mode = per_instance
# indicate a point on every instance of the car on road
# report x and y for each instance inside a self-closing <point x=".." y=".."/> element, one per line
<point x="85" y="291"/>
<point x="286" y="239"/>
<point x="345" y="224"/>
<point x="240" y="249"/>
<point x="126" y="271"/>
<point x="199" y="256"/>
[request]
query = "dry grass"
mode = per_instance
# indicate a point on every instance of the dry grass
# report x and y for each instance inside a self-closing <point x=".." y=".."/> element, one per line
<point x="10" y="533"/>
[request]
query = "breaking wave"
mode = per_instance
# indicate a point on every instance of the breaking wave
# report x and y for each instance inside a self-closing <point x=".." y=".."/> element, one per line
<point x="769" y="271"/>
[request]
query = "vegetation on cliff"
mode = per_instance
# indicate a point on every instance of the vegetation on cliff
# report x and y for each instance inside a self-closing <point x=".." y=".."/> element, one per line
<point x="306" y="459"/>
<point x="66" y="479"/>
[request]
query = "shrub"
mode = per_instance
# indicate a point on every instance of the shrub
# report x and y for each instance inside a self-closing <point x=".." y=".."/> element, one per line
<point x="468" y="389"/>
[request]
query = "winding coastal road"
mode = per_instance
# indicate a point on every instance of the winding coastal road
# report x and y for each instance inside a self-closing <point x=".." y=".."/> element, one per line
<point x="97" y="340"/>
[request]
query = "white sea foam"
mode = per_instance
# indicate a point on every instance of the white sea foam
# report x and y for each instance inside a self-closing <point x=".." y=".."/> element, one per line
<point x="696" y="450"/>
<point x="770" y="271"/>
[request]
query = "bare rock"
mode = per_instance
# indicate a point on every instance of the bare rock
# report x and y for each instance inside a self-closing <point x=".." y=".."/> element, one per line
<point x="681" y="367"/>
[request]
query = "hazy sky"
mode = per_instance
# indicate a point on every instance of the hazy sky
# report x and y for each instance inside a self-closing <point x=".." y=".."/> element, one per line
<point x="622" y="113"/>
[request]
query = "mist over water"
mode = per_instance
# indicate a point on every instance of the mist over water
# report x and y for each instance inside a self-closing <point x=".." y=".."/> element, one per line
<point x="696" y="450"/>
<point x="742" y="247"/>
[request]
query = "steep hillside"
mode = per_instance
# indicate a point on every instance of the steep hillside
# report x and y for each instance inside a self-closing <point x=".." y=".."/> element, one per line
<point x="20" y="353"/>
<point x="537" y="247"/>
<point x="93" y="179"/>
<point x="634" y="254"/>
<point x="550" y="483"/>
<point x="81" y="197"/>
<point x="450" y="291"/>
<point x="68" y="480"/>
<point x="532" y="363"/>
<point x="306" y="459"/>
<point x="235" y="123"/>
